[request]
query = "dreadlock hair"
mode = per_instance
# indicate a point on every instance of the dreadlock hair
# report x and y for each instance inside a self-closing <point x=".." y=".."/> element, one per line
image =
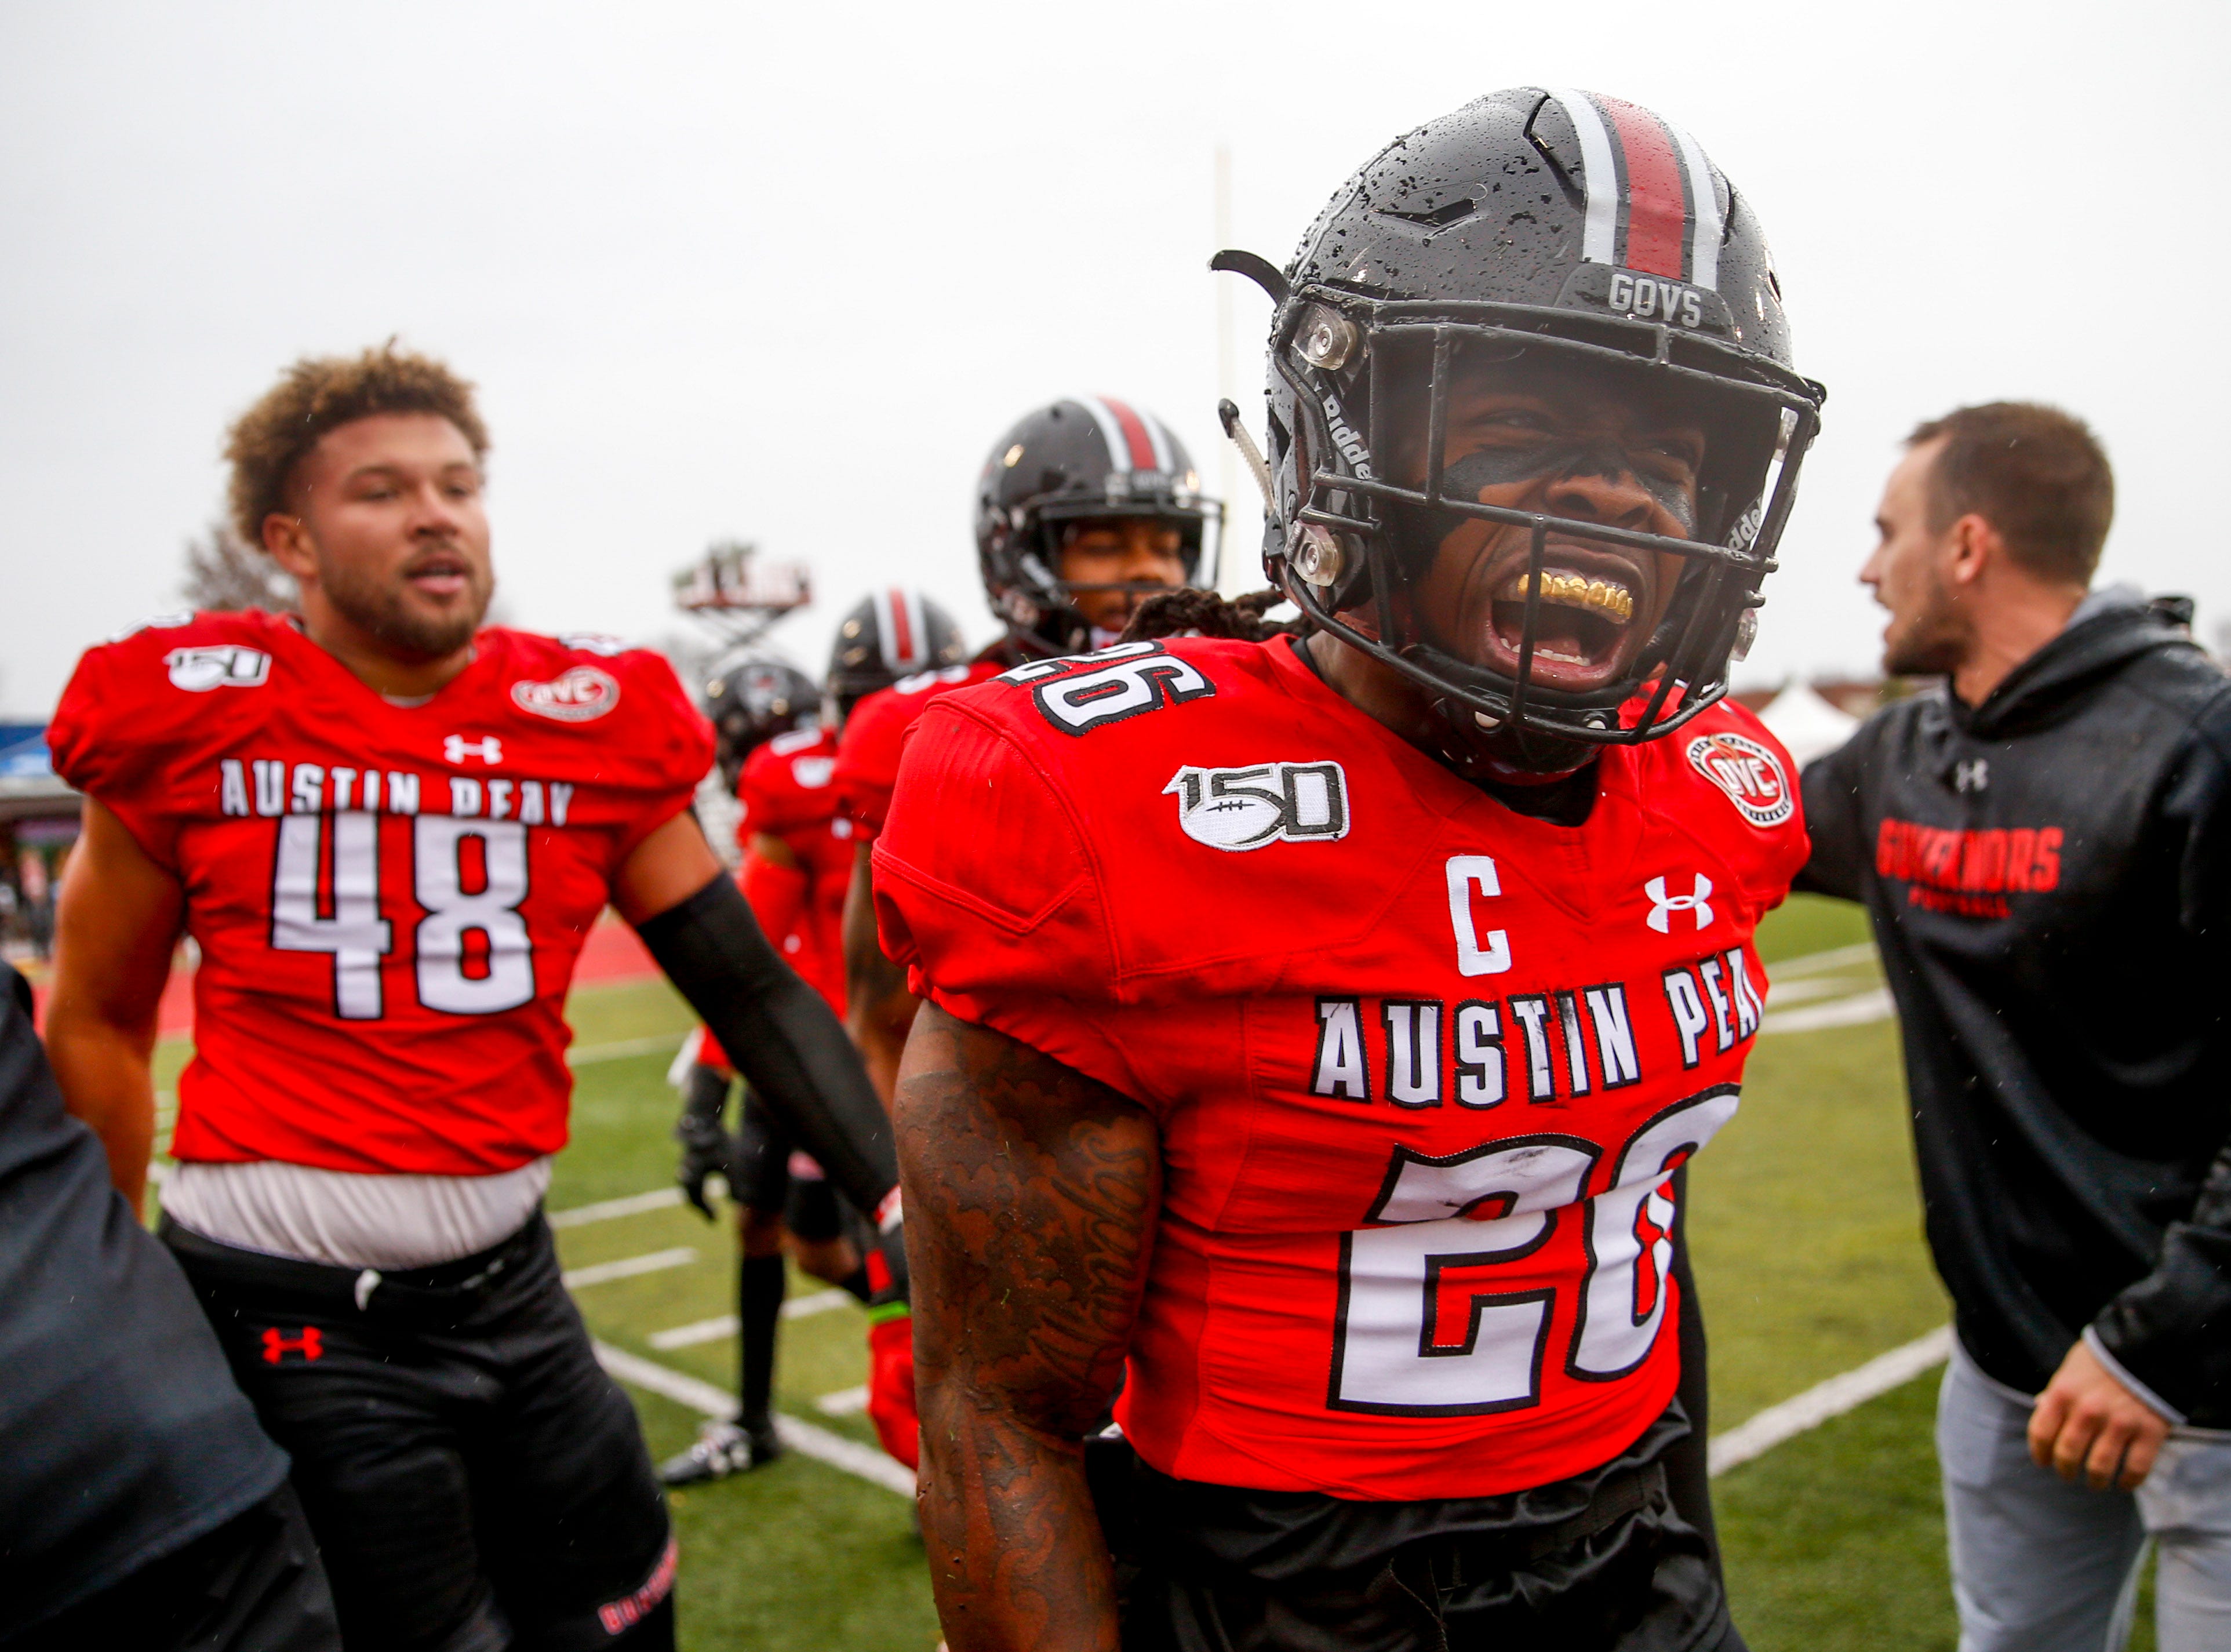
<point x="1195" y="613"/>
<point x="271" y="439"/>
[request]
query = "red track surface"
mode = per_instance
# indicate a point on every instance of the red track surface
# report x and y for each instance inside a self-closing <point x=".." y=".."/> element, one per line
<point x="610" y="954"/>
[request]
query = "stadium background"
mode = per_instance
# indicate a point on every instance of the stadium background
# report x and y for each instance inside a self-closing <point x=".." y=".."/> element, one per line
<point x="722" y="272"/>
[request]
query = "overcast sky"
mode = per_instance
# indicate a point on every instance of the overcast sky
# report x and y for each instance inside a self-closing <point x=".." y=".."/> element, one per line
<point x="785" y="272"/>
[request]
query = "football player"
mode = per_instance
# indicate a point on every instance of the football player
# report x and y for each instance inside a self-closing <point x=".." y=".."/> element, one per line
<point x="389" y="831"/>
<point x="749" y="700"/>
<point x="1318" y="1028"/>
<point x="1085" y="510"/>
<point x="778" y="738"/>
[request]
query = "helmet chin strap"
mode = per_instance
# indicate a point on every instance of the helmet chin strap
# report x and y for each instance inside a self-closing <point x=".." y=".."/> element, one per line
<point x="1504" y="754"/>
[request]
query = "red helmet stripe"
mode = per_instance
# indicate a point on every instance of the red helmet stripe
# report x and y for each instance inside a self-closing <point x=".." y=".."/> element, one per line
<point x="898" y="633"/>
<point x="1141" y="445"/>
<point x="1657" y="196"/>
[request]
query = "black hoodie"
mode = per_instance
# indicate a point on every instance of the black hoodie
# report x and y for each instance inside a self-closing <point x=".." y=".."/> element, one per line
<point x="122" y="1436"/>
<point x="2049" y="875"/>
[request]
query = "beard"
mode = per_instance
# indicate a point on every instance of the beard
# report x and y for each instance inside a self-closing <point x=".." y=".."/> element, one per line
<point x="384" y="611"/>
<point x="1933" y="642"/>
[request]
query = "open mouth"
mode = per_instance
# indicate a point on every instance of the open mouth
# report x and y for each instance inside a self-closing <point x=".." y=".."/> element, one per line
<point x="1583" y="626"/>
<point x="442" y="576"/>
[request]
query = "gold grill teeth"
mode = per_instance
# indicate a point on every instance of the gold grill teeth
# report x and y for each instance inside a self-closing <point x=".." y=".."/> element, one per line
<point x="1580" y="592"/>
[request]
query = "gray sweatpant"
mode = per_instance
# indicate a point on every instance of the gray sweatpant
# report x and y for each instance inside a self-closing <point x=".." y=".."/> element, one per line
<point x="2042" y="1565"/>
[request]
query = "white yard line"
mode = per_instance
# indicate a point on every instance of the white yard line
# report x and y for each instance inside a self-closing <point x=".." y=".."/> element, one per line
<point x="722" y="1326"/>
<point x="1782" y="994"/>
<point x="1855" y="1010"/>
<point x="1829" y="1399"/>
<point x="863" y="1462"/>
<point x="587" y="1054"/>
<point x="690" y="1335"/>
<point x="605" y="1210"/>
<point x="628" y="1267"/>
<point x="1813" y="963"/>
<point x="844" y="1402"/>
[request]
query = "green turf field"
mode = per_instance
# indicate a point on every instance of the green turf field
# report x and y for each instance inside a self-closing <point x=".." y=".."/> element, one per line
<point x="1809" y="1257"/>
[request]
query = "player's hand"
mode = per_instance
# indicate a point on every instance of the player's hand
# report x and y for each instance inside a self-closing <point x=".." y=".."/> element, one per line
<point x="702" y="1130"/>
<point x="706" y="1150"/>
<point x="2088" y="1425"/>
<point x="890" y="1384"/>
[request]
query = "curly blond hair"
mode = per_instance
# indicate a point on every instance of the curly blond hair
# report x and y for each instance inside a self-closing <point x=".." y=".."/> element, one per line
<point x="320" y="393"/>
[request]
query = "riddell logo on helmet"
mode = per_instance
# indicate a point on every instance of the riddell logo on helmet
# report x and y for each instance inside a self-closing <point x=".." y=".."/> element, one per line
<point x="1350" y="445"/>
<point x="581" y="694"/>
<point x="1751" y="775"/>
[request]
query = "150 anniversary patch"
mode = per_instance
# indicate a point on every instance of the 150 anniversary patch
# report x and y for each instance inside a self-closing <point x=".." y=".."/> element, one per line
<point x="1236" y="809"/>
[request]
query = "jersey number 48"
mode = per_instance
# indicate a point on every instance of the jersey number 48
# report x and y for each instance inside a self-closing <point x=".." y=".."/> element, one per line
<point x="358" y="937"/>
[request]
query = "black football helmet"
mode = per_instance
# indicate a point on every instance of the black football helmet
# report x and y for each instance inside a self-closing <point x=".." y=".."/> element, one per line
<point x="1083" y="456"/>
<point x="752" y="698"/>
<point x="889" y="635"/>
<point x="1531" y="231"/>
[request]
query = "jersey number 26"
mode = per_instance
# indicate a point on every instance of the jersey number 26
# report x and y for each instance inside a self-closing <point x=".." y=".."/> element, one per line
<point x="1422" y="1328"/>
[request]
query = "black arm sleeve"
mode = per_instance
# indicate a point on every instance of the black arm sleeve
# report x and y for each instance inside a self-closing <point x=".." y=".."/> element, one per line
<point x="781" y="1036"/>
<point x="2172" y="1329"/>
<point x="1831" y="785"/>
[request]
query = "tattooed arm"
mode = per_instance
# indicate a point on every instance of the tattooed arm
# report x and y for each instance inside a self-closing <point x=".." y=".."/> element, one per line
<point x="878" y="1009"/>
<point x="1032" y="1194"/>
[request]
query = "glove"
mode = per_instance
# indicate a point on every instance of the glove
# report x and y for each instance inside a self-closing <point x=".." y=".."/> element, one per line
<point x="890" y="1382"/>
<point x="707" y="1147"/>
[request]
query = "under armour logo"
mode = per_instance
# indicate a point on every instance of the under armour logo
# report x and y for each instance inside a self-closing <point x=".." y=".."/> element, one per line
<point x="1971" y="776"/>
<point x="1663" y="906"/>
<point x="457" y="749"/>
<point x="309" y="1341"/>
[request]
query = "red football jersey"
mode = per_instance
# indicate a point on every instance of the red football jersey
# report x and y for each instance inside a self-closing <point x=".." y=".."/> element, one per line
<point x="388" y="899"/>
<point x="787" y="792"/>
<point x="868" y="757"/>
<point x="1422" y="1064"/>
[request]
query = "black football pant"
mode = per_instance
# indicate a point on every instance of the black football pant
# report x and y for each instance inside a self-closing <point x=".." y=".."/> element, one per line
<point x="1602" y="1562"/>
<point x="476" y="1481"/>
<point x="252" y="1585"/>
